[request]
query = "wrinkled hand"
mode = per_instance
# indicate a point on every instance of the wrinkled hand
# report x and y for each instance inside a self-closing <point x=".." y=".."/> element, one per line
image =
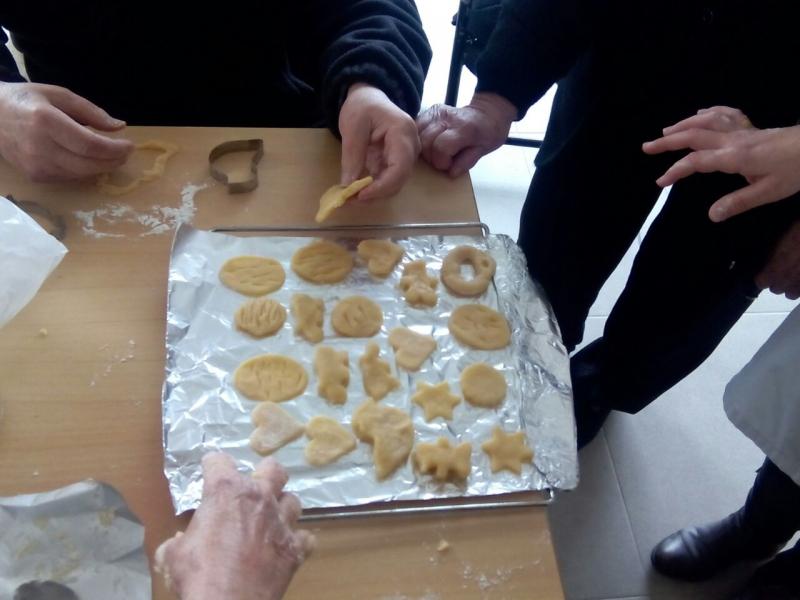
<point x="379" y="138"/>
<point x="240" y="544"/>
<point x="454" y="139"/>
<point x="782" y="272"/>
<point x="722" y="139"/>
<point x="44" y="132"/>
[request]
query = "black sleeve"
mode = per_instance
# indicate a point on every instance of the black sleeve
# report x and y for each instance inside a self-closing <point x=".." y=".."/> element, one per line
<point x="8" y="66"/>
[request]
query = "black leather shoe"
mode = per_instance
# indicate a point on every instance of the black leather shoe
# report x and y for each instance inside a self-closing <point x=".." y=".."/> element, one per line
<point x="779" y="579"/>
<point x="588" y="421"/>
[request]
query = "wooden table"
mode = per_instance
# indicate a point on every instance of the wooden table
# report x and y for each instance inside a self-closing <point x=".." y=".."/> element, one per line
<point x="84" y="401"/>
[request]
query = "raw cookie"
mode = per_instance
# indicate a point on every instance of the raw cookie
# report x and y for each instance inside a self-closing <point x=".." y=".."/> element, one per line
<point x="443" y="461"/>
<point x="357" y="316"/>
<point x="483" y="386"/>
<point x="270" y="377"/>
<point x="480" y="327"/>
<point x="260" y="317"/>
<point x="333" y="371"/>
<point x="419" y="288"/>
<point x="482" y="265"/>
<point x="252" y="275"/>
<point x="322" y="262"/>
<point x="167" y="149"/>
<point x="390" y="432"/>
<point x="435" y="400"/>
<point x="274" y="428"/>
<point x="411" y="349"/>
<point x="377" y="374"/>
<point x="381" y="256"/>
<point x="308" y="313"/>
<point x="329" y="441"/>
<point x="507" y="451"/>
<point x="336" y="195"/>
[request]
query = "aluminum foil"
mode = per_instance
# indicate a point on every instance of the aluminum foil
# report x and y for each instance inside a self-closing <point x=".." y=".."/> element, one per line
<point x="202" y="411"/>
<point x="82" y="536"/>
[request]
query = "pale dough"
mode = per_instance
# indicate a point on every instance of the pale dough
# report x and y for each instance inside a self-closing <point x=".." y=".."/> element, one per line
<point x="308" y="314"/>
<point x="322" y="262"/>
<point x="435" y="400"/>
<point x="483" y="386"/>
<point x="167" y="149"/>
<point x="274" y="428"/>
<point x="381" y="256"/>
<point x="333" y="372"/>
<point x="419" y="288"/>
<point x="411" y="349"/>
<point x="507" y="451"/>
<point x="482" y="264"/>
<point x="261" y="317"/>
<point x="444" y="461"/>
<point x="480" y="327"/>
<point x="357" y="316"/>
<point x="390" y="432"/>
<point x="271" y="378"/>
<point x="336" y="195"/>
<point x="252" y="275"/>
<point x="329" y="441"/>
<point x="376" y="373"/>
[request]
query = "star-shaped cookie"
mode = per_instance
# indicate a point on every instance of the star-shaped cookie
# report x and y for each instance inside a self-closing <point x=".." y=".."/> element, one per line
<point x="507" y="451"/>
<point x="435" y="400"/>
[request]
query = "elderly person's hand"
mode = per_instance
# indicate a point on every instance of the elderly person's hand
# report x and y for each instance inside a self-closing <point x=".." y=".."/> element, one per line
<point x="241" y="543"/>
<point x="45" y="133"/>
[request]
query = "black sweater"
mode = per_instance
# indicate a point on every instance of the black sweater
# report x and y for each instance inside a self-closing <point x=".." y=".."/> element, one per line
<point x="278" y="63"/>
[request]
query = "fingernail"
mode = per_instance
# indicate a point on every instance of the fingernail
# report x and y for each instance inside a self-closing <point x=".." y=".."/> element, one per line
<point x="717" y="214"/>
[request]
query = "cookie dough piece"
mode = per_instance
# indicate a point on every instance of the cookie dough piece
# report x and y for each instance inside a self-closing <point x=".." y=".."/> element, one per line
<point x="308" y="314"/>
<point x="483" y="386"/>
<point x="329" y="441"/>
<point x="357" y="316"/>
<point x="322" y="262"/>
<point x="435" y="400"/>
<point x="381" y="256"/>
<point x="333" y="370"/>
<point x="252" y="275"/>
<point x="166" y="149"/>
<point x="260" y="318"/>
<point x="411" y="349"/>
<point x="390" y="432"/>
<point x="480" y="327"/>
<point x="336" y="195"/>
<point x="377" y="374"/>
<point x="443" y="461"/>
<point x="419" y="288"/>
<point x="274" y="428"/>
<point x="507" y="451"/>
<point x="482" y="264"/>
<point x="270" y="378"/>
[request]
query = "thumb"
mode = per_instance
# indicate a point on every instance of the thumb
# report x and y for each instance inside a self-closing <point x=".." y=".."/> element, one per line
<point x="83" y="111"/>
<point x="355" y="142"/>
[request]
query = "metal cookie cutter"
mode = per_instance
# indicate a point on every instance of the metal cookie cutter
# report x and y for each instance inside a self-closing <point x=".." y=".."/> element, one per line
<point x="237" y="187"/>
<point x="57" y="226"/>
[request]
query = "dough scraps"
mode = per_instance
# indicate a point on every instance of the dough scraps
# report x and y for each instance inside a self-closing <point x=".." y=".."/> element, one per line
<point x="435" y="400"/>
<point x="274" y="428"/>
<point x="357" y="316"/>
<point x="322" y="262"/>
<point x="411" y="349"/>
<point x="444" y="461"/>
<point x="260" y="317"/>
<point x="483" y="386"/>
<point x="333" y="371"/>
<point x="167" y="149"/>
<point x="329" y="441"/>
<point x="390" y="432"/>
<point x="419" y="288"/>
<point x="480" y="327"/>
<point x="308" y="314"/>
<point x="376" y="373"/>
<point x="381" y="256"/>
<point x="270" y="378"/>
<point x="252" y="275"/>
<point x="336" y="195"/>
<point x="482" y="265"/>
<point x="507" y="451"/>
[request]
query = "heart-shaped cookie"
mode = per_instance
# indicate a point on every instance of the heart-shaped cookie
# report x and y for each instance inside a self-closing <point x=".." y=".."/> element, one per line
<point x="274" y="428"/>
<point x="329" y="441"/>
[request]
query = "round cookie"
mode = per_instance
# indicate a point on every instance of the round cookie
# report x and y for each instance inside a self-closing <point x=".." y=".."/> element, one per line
<point x="483" y="386"/>
<point x="322" y="262"/>
<point x="357" y="316"/>
<point x="252" y="275"/>
<point x="482" y="264"/>
<point x="270" y="378"/>
<point x="480" y="327"/>
<point x="260" y="318"/>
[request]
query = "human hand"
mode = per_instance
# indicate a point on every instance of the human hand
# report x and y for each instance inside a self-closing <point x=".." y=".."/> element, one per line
<point x="240" y="544"/>
<point x="44" y="132"/>
<point x="722" y="139"/>
<point x="782" y="271"/>
<point x="454" y="139"/>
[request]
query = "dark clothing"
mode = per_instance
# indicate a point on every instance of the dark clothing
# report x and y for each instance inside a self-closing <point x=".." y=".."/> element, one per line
<point x="241" y="63"/>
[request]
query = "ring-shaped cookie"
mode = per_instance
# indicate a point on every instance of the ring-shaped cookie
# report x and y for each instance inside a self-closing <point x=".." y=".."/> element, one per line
<point x="482" y="264"/>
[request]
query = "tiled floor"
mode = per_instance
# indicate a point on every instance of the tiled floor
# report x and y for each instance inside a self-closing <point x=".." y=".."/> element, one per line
<point x="678" y="462"/>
